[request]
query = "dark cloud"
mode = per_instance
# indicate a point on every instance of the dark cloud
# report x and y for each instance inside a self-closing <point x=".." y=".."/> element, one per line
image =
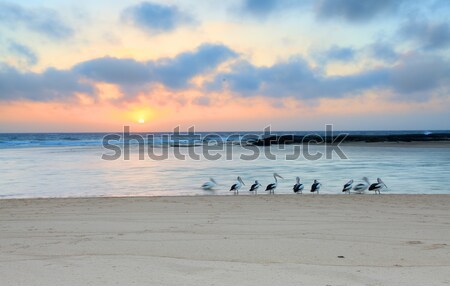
<point x="52" y="84"/>
<point x="114" y="70"/>
<point x="415" y="74"/>
<point x="413" y="77"/>
<point x="377" y="50"/>
<point x="23" y="52"/>
<point x="427" y="35"/>
<point x="295" y="78"/>
<point x="261" y="9"/>
<point x="172" y="72"/>
<point x="155" y="18"/>
<point x="382" y="51"/>
<point x="133" y="76"/>
<point x="336" y="53"/>
<point x="176" y="72"/>
<point x="355" y="10"/>
<point x="44" y="21"/>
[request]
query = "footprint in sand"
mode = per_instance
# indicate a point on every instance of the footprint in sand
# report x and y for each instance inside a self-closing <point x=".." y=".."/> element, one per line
<point x="414" y="242"/>
<point x="436" y="246"/>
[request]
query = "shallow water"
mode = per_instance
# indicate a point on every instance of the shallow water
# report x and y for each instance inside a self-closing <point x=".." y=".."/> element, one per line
<point x="79" y="171"/>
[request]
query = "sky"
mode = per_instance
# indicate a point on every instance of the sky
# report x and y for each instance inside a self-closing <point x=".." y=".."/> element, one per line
<point x="96" y="66"/>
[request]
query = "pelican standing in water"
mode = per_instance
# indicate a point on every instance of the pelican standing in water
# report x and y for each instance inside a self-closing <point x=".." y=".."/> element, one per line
<point x="271" y="187"/>
<point x="255" y="187"/>
<point x="362" y="187"/>
<point x="236" y="186"/>
<point x="315" y="187"/>
<point x="347" y="187"/>
<point x="298" y="187"/>
<point x="209" y="185"/>
<point x="376" y="187"/>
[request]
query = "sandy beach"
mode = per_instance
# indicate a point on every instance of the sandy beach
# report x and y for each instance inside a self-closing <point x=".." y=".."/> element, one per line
<point x="227" y="240"/>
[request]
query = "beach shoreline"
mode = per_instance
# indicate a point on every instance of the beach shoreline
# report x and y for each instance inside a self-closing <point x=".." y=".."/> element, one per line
<point x="226" y="240"/>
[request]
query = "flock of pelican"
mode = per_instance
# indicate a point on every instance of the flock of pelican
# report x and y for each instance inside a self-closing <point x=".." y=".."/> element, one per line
<point x="348" y="188"/>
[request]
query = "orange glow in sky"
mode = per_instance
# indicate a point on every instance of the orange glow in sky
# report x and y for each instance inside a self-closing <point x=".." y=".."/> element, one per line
<point x="233" y="65"/>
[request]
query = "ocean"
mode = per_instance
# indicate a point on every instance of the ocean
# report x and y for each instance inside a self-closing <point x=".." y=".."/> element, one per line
<point x="70" y="165"/>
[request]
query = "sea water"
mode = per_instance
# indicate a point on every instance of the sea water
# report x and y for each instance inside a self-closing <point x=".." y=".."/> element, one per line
<point x="71" y="165"/>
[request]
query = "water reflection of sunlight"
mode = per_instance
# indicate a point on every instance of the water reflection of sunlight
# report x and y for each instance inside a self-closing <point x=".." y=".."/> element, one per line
<point x="80" y="171"/>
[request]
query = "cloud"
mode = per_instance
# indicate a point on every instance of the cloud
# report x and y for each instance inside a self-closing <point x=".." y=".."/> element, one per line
<point x="429" y="36"/>
<point x="413" y="77"/>
<point x="340" y="53"/>
<point x="156" y="18"/>
<point x="176" y="72"/>
<point x="51" y="84"/>
<point x="261" y="9"/>
<point x="114" y="70"/>
<point x="382" y="51"/>
<point x="43" y="21"/>
<point x="335" y="53"/>
<point x="377" y="50"/>
<point x="24" y="52"/>
<point x="295" y="78"/>
<point x="355" y="10"/>
<point x="292" y="78"/>
<point x="173" y="72"/>
<point x="131" y="75"/>
<point x="417" y="73"/>
<point x="202" y="100"/>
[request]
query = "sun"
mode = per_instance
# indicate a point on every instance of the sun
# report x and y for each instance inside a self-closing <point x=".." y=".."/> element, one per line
<point x="139" y="116"/>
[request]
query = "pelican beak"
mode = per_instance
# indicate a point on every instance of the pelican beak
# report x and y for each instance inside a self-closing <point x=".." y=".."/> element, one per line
<point x="279" y="176"/>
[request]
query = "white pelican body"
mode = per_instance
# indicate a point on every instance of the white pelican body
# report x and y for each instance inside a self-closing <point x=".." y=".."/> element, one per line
<point x="362" y="187"/>
<point x="271" y="187"/>
<point x="298" y="187"/>
<point x="347" y="187"/>
<point x="236" y="186"/>
<point x="255" y="187"/>
<point x="315" y="187"/>
<point x="376" y="187"/>
<point x="209" y="185"/>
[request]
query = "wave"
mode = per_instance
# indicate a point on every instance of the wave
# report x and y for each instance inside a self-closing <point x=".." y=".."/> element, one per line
<point x="24" y="140"/>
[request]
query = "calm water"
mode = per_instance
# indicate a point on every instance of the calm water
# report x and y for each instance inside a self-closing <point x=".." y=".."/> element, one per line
<point x="68" y="171"/>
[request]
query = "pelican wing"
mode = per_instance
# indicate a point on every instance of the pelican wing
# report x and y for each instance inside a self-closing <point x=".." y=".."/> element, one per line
<point x="348" y="184"/>
<point x="207" y="185"/>
<point x="298" y="187"/>
<point x="315" y="187"/>
<point x="254" y="187"/>
<point x="360" y="187"/>
<point x="270" y="186"/>
<point x="375" y="186"/>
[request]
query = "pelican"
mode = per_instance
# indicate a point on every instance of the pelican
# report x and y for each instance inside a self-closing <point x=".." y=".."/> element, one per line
<point x="236" y="186"/>
<point x="362" y="187"/>
<point x="376" y="187"/>
<point x="298" y="187"/>
<point x="315" y="187"/>
<point x="347" y="187"/>
<point x="209" y="185"/>
<point x="271" y="187"/>
<point x="255" y="187"/>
